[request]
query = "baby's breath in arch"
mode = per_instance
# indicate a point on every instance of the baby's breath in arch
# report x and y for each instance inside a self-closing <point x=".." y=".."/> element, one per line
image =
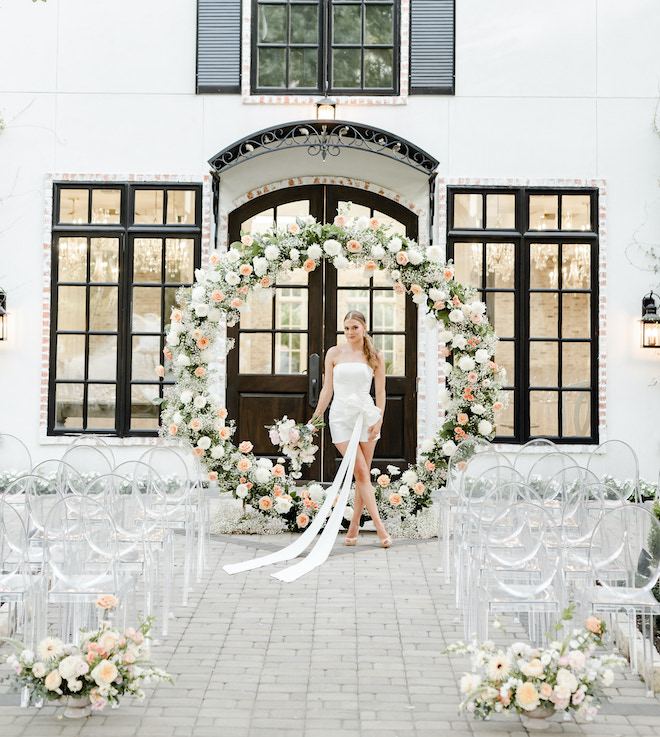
<point x="194" y="409"/>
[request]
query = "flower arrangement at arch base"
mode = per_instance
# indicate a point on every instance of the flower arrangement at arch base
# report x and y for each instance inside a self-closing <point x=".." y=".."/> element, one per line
<point x="109" y="663"/>
<point x="567" y="675"/>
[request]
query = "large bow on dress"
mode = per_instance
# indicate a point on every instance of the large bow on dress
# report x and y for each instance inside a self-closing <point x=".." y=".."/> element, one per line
<point x="356" y="405"/>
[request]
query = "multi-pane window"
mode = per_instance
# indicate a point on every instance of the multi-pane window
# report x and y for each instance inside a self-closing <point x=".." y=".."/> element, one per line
<point x="325" y="45"/>
<point x="533" y="256"/>
<point x="120" y="254"/>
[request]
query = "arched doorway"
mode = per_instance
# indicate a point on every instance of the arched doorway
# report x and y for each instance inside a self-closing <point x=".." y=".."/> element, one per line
<point x="275" y="367"/>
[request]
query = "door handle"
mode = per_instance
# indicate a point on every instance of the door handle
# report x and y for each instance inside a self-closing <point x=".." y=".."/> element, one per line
<point x="314" y="382"/>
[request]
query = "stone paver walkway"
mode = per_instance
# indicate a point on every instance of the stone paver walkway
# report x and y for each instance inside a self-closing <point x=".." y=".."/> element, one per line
<point x="352" y="649"/>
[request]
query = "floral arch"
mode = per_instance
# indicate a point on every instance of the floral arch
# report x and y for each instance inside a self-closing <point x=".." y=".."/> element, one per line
<point x="194" y="411"/>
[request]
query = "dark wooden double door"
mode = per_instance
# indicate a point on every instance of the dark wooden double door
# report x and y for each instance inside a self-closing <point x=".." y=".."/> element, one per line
<point x="276" y="366"/>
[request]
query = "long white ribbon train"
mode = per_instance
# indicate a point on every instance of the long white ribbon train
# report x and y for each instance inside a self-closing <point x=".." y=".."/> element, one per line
<point x="361" y="409"/>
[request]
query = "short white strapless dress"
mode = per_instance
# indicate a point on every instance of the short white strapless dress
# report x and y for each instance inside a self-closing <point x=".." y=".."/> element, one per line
<point x="351" y="383"/>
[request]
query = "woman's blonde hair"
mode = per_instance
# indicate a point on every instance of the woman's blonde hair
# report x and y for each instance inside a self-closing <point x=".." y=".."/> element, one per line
<point x="370" y="352"/>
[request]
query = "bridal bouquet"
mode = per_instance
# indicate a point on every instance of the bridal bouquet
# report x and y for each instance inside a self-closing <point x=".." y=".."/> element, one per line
<point x="107" y="664"/>
<point x="567" y="675"/>
<point x="295" y="441"/>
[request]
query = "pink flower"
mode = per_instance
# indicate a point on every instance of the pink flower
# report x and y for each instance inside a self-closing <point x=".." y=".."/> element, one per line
<point x="302" y="520"/>
<point x="160" y="371"/>
<point x="429" y="466"/>
<point x="247" y="240"/>
<point x="416" y="289"/>
<point x="278" y="470"/>
<point x="203" y="343"/>
<point x="374" y="223"/>
<point x="497" y="405"/>
<point x="395" y="499"/>
<point x="309" y="265"/>
<point x="212" y="476"/>
<point x="448" y="273"/>
<point x="217" y="295"/>
<point x="354" y="246"/>
<point x="418" y="488"/>
<point x="399" y="288"/>
<point x="274" y="437"/>
<point x="472" y="376"/>
<point x="245" y="270"/>
<point x="293" y="228"/>
<point x="370" y="266"/>
<point x="265" y="502"/>
<point x="294" y="436"/>
<point x="245" y="447"/>
<point x="107" y="601"/>
<point x="462" y="418"/>
<point x="200" y="371"/>
<point x="402" y="258"/>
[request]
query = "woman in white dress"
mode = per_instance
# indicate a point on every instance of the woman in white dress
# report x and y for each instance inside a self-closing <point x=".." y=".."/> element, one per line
<point x="349" y="371"/>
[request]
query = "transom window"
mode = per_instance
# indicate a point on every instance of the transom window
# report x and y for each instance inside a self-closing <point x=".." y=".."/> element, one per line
<point x="533" y="256"/>
<point x="120" y="254"/>
<point x="336" y="46"/>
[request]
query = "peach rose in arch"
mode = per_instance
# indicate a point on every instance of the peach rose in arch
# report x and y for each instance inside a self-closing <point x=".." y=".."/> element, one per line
<point x="225" y="433"/>
<point x="245" y="447"/>
<point x="236" y="302"/>
<point x="247" y="240"/>
<point x="203" y="343"/>
<point x="214" y="259"/>
<point x="370" y="267"/>
<point x="395" y="499"/>
<point x="462" y="418"/>
<point x="354" y="246"/>
<point x="399" y="288"/>
<point x="418" y="488"/>
<point x="309" y="265"/>
<point x="265" y="503"/>
<point x="302" y="520"/>
<point x="200" y="371"/>
<point x="448" y="273"/>
<point x="278" y="471"/>
<point x="173" y="429"/>
<point x="212" y="476"/>
<point x="176" y="315"/>
<point x="497" y="405"/>
<point x="222" y="413"/>
<point x="293" y="228"/>
<point x="339" y="221"/>
<point x="402" y="258"/>
<point x="374" y="223"/>
<point x="195" y="424"/>
<point x="243" y="465"/>
<point x="160" y="371"/>
<point x="265" y="282"/>
<point x="167" y="353"/>
<point x="217" y="295"/>
<point x="383" y="480"/>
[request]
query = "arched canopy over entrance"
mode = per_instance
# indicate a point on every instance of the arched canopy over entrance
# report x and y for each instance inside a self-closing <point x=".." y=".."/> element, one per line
<point x="311" y="147"/>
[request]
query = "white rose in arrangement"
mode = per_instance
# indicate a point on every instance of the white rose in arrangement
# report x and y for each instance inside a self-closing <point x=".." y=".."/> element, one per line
<point x="332" y="247"/>
<point x="415" y="257"/>
<point x="396" y="274"/>
<point x="309" y="220"/>
<point x="427" y="445"/>
<point x="177" y="418"/>
<point x="202" y="310"/>
<point x="444" y="397"/>
<point x="217" y="452"/>
<point x="478" y="409"/>
<point x="213" y="276"/>
<point x="200" y="401"/>
<point x="466" y="363"/>
<point x="262" y="475"/>
<point x="470" y="682"/>
<point x="419" y="298"/>
<point x="272" y="252"/>
<point x="434" y="254"/>
<point x="260" y="265"/>
<point x="282" y="506"/>
<point x="484" y="427"/>
<point x="456" y="316"/>
<point x="409" y="477"/>
<point x="362" y="223"/>
<point x="482" y="356"/>
<point x="204" y="442"/>
<point x="183" y="360"/>
<point x="218" y="424"/>
<point x="377" y="252"/>
<point x="232" y="278"/>
<point x="215" y="315"/>
<point x="437" y="294"/>
<point x="445" y="368"/>
<point x="186" y="396"/>
<point x="198" y="293"/>
<point x="173" y="338"/>
<point x="348" y="513"/>
<point x="316" y="492"/>
<point x="200" y="276"/>
<point x="395" y="244"/>
<point x="430" y="322"/>
<point x="340" y="262"/>
<point x="294" y="254"/>
<point x="241" y="491"/>
<point x="233" y="255"/>
<point x="477" y="308"/>
<point x="448" y="447"/>
<point x="465" y="309"/>
<point x="265" y="463"/>
<point x="444" y="336"/>
<point x="315" y="251"/>
<point x="459" y="341"/>
<point x="245" y="307"/>
<point x="404" y="490"/>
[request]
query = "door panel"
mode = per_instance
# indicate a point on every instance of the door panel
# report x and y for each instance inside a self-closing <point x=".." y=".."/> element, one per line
<point x="268" y="369"/>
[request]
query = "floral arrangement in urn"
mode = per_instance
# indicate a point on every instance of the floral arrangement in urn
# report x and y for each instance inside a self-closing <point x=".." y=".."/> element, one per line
<point x="566" y="675"/>
<point x="108" y="664"/>
<point x="295" y="441"/>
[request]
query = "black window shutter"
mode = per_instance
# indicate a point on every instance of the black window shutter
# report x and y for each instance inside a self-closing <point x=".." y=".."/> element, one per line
<point x="432" y="47"/>
<point x="218" y="46"/>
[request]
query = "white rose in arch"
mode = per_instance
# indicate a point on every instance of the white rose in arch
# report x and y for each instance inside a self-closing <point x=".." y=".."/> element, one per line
<point x="448" y="447"/>
<point x="482" y="356"/>
<point x="200" y="402"/>
<point x="233" y="255"/>
<point x="404" y="490"/>
<point x="202" y="310"/>
<point x="213" y="276"/>
<point x="272" y="252"/>
<point x="177" y="418"/>
<point x="262" y="475"/>
<point x="217" y="452"/>
<point x="260" y="265"/>
<point x="362" y="223"/>
<point x="214" y="314"/>
<point x="456" y="316"/>
<point x="332" y="247"/>
<point x="444" y="336"/>
<point x="445" y="368"/>
<point x="444" y="397"/>
<point x="459" y="341"/>
<point x="282" y="506"/>
<point x="186" y="396"/>
<point x="395" y="244"/>
<point x="377" y="252"/>
<point x="437" y="294"/>
<point x="204" y="442"/>
<point x="415" y="257"/>
<point x="218" y="424"/>
<point x="427" y="445"/>
<point x="315" y="251"/>
<point x="198" y="293"/>
<point x="477" y="308"/>
<point x="465" y="309"/>
<point x="173" y="338"/>
<point x="419" y="298"/>
<point x="348" y="513"/>
<point x="265" y="463"/>
<point x="183" y="360"/>
<point x="434" y="255"/>
<point x="431" y="322"/>
<point x="478" y="409"/>
<point x="340" y="262"/>
<point x="241" y="491"/>
<point x="294" y="255"/>
<point x="466" y="363"/>
<point x="231" y="277"/>
<point x="484" y="427"/>
<point x="200" y="276"/>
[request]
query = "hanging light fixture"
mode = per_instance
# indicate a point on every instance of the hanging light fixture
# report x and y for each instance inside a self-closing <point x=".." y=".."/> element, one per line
<point x="650" y="321"/>
<point x="325" y="108"/>
<point x="3" y="315"/>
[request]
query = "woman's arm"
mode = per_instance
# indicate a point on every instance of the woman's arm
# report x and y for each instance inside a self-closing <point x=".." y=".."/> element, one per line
<point x="379" y="386"/>
<point x="326" y="391"/>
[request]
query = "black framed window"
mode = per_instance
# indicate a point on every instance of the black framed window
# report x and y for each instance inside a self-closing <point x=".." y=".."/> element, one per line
<point x="120" y="253"/>
<point x="334" y="46"/>
<point x="532" y="253"/>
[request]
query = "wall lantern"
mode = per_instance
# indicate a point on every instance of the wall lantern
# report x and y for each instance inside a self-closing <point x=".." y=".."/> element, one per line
<point x="650" y="321"/>
<point x="325" y="109"/>
<point x="3" y="315"/>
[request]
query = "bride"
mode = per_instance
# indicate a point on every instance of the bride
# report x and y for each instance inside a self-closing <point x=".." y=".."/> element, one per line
<point x="349" y="370"/>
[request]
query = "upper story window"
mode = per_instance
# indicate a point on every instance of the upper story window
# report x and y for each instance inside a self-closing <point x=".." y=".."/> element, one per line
<point x="533" y="256"/>
<point x="339" y="47"/>
<point x="120" y="253"/>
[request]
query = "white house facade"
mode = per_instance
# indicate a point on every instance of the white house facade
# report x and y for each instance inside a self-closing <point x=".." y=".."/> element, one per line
<point x="139" y="137"/>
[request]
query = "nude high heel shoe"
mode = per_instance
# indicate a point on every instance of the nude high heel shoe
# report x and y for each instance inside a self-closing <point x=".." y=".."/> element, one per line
<point x="350" y="540"/>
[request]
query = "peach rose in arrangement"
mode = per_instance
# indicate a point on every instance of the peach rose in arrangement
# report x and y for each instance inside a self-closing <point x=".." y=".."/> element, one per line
<point x="527" y="696"/>
<point x="105" y="672"/>
<point x="53" y="681"/>
<point x="302" y="520"/>
<point x="448" y="273"/>
<point x="107" y="601"/>
<point x="399" y="288"/>
<point x="195" y="424"/>
<point x="418" y="488"/>
<point x="167" y="353"/>
<point x="370" y="266"/>
<point x="293" y="228"/>
<point x="439" y="305"/>
<point x="354" y="246"/>
<point x="374" y="223"/>
<point x="395" y="499"/>
<point x="309" y="265"/>
<point x="245" y="447"/>
<point x="462" y="418"/>
<point x="265" y="503"/>
<point x="243" y="465"/>
<point x="593" y="624"/>
<point x="225" y="433"/>
<point x="383" y="480"/>
<point x="160" y="371"/>
<point x="176" y="315"/>
<point x="215" y="259"/>
<point x="203" y="343"/>
<point x="173" y="429"/>
<point x="217" y="295"/>
<point x="236" y="302"/>
<point x="339" y="221"/>
<point x="265" y="282"/>
<point x="497" y="405"/>
<point x="200" y="371"/>
<point x="247" y="240"/>
<point x="278" y="470"/>
<point x="416" y="289"/>
<point x="222" y="413"/>
<point x="429" y="466"/>
<point x="402" y="258"/>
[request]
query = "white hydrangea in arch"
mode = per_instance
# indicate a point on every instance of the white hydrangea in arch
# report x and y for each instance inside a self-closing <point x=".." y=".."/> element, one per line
<point x="193" y="410"/>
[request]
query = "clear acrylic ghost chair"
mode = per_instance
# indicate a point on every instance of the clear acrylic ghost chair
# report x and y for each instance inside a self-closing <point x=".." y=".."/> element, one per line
<point x="82" y="551"/>
<point x="89" y="460"/>
<point x="181" y="508"/>
<point x="20" y="592"/>
<point x="98" y="442"/>
<point x="66" y="478"/>
<point x="625" y="566"/>
<point x="15" y="458"/>
<point x="616" y="464"/>
<point x="547" y="466"/>
<point x="143" y="511"/>
<point x="449" y="499"/>
<point x="530" y="452"/>
<point x="556" y="490"/>
<point x="521" y="572"/>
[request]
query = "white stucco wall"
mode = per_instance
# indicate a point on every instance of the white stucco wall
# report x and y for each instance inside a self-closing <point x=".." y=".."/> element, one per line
<point x="561" y="90"/>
